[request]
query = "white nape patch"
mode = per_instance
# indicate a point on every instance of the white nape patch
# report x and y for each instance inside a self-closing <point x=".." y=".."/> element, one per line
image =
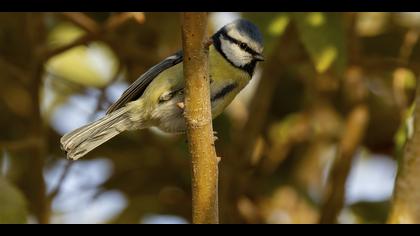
<point x="234" y="53"/>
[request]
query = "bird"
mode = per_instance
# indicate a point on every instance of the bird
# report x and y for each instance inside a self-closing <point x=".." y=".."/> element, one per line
<point x="156" y="98"/>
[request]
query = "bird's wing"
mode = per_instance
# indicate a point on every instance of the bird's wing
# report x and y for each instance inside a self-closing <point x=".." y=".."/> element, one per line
<point x="135" y="90"/>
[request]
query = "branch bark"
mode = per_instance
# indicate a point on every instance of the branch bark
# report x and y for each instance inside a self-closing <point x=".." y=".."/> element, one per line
<point x="406" y="202"/>
<point x="199" y="119"/>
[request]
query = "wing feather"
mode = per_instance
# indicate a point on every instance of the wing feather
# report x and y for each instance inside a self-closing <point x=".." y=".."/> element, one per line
<point x="136" y="90"/>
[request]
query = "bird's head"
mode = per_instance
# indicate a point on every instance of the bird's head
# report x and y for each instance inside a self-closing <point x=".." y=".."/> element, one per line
<point x="241" y="43"/>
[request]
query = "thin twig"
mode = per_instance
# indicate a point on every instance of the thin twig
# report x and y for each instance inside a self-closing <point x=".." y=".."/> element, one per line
<point x="82" y="40"/>
<point x="102" y="95"/>
<point x="410" y="40"/>
<point x="117" y="20"/>
<point x="15" y="71"/>
<point x="20" y="144"/>
<point x="352" y="137"/>
<point x="94" y="31"/>
<point x="56" y="190"/>
<point x="82" y="20"/>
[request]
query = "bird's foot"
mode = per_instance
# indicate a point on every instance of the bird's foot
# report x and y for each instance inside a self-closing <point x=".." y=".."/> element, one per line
<point x="208" y="43"/>
<point x="215" y="138"/>
<point x="180" y="105"/>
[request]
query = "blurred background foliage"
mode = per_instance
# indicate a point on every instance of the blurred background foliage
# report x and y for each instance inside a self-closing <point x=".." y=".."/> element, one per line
<point x="315" y="137"/>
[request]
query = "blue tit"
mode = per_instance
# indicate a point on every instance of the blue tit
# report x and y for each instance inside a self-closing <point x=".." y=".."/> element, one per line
<point x="156" y="98"/>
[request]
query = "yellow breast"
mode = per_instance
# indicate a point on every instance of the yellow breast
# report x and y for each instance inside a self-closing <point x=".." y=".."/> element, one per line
<point x="222" y="74"/>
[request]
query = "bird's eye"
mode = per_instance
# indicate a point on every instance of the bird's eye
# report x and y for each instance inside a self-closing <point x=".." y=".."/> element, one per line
<point x="243" y="45"/>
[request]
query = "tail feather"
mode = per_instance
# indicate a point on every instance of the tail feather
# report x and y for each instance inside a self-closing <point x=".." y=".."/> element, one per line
<point x="83" y="140"/>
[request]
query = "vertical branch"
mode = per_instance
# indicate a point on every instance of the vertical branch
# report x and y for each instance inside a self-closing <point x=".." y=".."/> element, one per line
<point x="406" y="202"/>
<point x="335" y="194"/>
<point x="410" y="40"/>
<point x="239" y="172"/>
<point x="36" y="39"/>
<point x="199" y="119"/>
<point x="284" y="51"/>
<point x="355" y="128"/>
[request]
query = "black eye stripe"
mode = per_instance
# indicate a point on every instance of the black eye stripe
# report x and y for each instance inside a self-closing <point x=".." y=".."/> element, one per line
<point x="239" y="43"/>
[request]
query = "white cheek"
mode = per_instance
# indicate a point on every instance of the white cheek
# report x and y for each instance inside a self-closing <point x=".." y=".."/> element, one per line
<point x="235" y="54"/>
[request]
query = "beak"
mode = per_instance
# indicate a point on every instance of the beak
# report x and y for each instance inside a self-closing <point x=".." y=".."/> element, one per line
<point x="259" y="57"/>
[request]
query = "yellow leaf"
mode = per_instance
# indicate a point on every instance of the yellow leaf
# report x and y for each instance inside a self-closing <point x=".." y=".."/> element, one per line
<point x="92" y="65"/>
<point x="323" y="36"/>
<point x="325" y="58"/>
<point x="278" y="25"/>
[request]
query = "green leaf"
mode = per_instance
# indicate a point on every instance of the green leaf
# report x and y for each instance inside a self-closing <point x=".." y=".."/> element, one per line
<point x="323" y="36"/>
<point x="13" y="208"/>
